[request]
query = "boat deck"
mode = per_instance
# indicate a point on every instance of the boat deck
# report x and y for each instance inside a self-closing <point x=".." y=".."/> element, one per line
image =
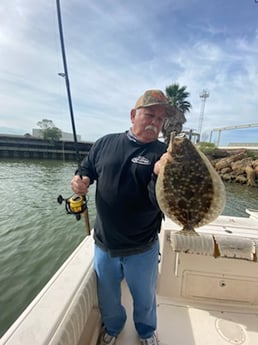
<point x="182" y="323"/>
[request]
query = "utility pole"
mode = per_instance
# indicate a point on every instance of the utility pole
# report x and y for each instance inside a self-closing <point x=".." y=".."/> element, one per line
<point x="204" y="95"/>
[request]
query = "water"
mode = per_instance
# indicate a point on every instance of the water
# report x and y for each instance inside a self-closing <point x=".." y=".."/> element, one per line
<point x="238" y="198"/>
<point x="36" y="235"/>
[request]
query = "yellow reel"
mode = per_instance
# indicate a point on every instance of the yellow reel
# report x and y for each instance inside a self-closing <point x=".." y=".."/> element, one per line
<point x="76" y="203"/>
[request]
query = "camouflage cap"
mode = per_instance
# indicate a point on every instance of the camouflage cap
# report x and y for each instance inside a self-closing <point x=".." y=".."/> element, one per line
<point x="151" y="97"/>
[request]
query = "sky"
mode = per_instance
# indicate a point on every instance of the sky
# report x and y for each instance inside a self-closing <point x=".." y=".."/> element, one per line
<point x="116" y="50"/>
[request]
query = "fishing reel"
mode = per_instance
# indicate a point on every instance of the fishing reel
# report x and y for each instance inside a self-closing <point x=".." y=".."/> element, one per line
<point x="76" y="204"/>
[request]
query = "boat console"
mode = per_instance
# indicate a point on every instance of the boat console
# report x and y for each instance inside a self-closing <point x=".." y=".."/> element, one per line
<point x="208" y="283"/>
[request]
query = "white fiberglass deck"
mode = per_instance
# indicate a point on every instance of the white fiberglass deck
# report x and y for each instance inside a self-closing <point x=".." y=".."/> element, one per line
<point x="181" y="323"/>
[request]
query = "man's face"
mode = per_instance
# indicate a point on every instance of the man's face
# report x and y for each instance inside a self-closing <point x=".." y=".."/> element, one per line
<point x="147" y="122"/>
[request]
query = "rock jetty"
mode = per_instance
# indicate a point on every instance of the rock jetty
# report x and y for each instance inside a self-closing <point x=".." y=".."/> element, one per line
<point x="240" y="166"/>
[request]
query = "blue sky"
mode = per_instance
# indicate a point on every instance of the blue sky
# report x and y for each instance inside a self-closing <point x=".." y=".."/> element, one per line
<point x="118" y="49"/>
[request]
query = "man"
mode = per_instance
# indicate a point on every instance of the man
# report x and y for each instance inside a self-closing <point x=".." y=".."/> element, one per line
<point x="128" y="218"/>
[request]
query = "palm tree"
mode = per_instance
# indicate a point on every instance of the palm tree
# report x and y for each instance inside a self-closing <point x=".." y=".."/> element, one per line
<point x="177" y="96"/>
<point x="179" y="106"/>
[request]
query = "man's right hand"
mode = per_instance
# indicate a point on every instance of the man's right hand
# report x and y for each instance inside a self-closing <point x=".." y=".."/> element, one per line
<point x="80" y="185"/>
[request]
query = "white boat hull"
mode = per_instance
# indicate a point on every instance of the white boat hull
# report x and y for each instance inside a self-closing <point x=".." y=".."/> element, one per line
<point x="252" y="212"/>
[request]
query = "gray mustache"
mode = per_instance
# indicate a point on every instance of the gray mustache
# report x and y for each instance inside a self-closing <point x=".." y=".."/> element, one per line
<point x="152" y="128"/>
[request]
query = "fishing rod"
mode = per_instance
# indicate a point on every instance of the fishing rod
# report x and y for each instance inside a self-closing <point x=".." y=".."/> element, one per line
<point x="75" y="204"/>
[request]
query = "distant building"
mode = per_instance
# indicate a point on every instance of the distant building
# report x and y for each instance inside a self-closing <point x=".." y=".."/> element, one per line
<point x="65" y="136"/>
<point x="243" y="144"/>
<point x="30" y="147"/>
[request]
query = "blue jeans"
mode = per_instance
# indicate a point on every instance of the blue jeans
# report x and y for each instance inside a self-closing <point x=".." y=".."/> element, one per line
<point x="140" y="272"/>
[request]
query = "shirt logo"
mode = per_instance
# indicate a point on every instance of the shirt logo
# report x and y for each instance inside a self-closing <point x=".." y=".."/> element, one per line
<point x="141" y="160"/>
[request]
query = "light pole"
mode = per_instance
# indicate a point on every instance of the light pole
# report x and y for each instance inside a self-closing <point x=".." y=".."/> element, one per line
<point x="204" y="95"/>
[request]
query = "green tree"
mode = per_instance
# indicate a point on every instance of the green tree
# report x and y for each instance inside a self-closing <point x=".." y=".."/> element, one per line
<point x="49" y="131"/>
<point x="179" y="106"/>
<point x="177" y="96"/>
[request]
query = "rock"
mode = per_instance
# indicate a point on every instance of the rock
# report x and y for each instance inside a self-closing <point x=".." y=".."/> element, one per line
<point x="219" y="153"/>
<point x="241" y="179"/>
<point x="227" y="177"/>
<point x="225" y="170"/>
<point x="240" y="166"/>
<point x="236" y="167"/>
<point x="250" y="174"/>
<point x="256" y="171"/>
<point x="226" y="162"/>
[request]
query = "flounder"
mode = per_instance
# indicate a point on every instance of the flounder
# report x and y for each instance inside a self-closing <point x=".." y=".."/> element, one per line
<point x="189" y="190"/>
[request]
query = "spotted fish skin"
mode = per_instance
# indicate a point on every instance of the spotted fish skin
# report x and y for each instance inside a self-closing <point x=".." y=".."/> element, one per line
<point x="189" y="190"/>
